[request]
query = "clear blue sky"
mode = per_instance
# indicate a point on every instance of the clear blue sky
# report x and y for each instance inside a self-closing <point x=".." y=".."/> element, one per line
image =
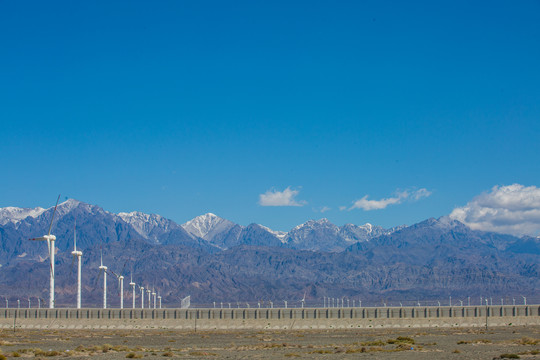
<point x="181" y="108"/>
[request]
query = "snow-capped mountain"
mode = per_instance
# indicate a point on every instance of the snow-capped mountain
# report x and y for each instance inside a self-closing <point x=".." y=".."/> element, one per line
<point x="207" y="226"/>
<point x="430" y="258"/>
<point x="204" y="230"/>
<point x="322" y="235"/>
<point x="357" y="233"/>
<point x="225" y="234"/>
<point x="279" y="234"/>
<point x="15" y="214"/>
<point x="150" y="226"/>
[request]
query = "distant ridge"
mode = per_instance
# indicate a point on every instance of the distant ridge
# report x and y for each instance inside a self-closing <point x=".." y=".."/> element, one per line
<point x="210" y="257"/>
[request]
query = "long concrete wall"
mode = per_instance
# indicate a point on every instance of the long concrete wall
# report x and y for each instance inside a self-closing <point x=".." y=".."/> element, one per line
<point x="308" y="318"/>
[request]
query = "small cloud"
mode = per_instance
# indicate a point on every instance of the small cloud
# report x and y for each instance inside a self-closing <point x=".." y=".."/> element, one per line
<point x="420" y="194"/>
<point x="280" y="198"/>
<point x="342" y="208"/>
<point x="411" y="195"/>
<point x="512" y="209"/>
<point x="324" y="209"/>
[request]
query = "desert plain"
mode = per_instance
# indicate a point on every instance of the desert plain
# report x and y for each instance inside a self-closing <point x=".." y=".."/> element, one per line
<point x="449" y="343"/>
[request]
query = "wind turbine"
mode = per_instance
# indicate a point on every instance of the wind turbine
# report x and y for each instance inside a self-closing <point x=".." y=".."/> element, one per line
<point x="303" y="300"/>
<point x="148" y="291"/>
<point x="121" y="286"/>
<point x="50" y="245"/>
<point x="121" y="279"/>
<point x="78" y="255"/>
<point x="142" y="296"/>
<point x="132" y="284"/>
<point x="154" y="295"/>
<point x="104" y="269"/>
<point x="159" y="298"/>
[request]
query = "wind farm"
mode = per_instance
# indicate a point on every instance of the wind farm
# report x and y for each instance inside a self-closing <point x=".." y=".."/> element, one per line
<point x="321" y="180"/>
<point x="154" y="296"/>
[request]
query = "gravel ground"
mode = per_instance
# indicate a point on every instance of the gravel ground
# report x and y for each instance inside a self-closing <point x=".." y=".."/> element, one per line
<point x="328" y="344"/>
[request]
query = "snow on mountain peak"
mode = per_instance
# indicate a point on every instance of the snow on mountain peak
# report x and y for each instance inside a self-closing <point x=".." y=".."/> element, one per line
<point x="144" y="223"/>
<point x="15" y="214"/>
<point x="67" y="206"/>
<point x="204" y="226"/>
<point x="279" y="234"/>
<point x="367" y="226"/>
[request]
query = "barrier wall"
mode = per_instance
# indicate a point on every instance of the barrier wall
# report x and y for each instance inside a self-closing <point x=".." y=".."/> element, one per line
<point x="308" y="318"/>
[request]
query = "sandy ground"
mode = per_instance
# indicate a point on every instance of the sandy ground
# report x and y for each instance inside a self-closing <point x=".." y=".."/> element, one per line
<point x="332" y="344"/>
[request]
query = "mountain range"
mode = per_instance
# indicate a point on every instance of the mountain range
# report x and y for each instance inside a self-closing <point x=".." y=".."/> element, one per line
<point x="214" y="259"/>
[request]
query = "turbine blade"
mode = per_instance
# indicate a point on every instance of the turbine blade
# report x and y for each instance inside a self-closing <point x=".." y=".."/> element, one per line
<point x="54" y="212"/>
<point x="72" y="262"/>
<point x="41" y="238"/>
<point x="75" y="234"/>
<point x="97" y="278"/>
<point x="124" y="267"/>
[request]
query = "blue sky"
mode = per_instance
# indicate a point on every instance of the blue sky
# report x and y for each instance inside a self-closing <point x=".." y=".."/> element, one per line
<point x="181" y="108"/>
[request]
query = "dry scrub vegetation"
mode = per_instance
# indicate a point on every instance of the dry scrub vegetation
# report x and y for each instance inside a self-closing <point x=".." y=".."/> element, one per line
<point x="499" y="343"/>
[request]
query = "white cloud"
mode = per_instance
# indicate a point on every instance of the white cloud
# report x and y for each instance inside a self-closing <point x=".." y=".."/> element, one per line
<point x="411" y="195"/>
<point x="512" y="209"/>
<point x="420" y="194"/>
<point x="280" y="198"/>
<point x="324" y="209"/>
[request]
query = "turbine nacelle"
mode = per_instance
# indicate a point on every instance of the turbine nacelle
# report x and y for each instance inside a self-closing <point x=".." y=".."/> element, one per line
<point x="103" y="267"/>
<point x="45" y="237"/>
<point x="76" y="253"/>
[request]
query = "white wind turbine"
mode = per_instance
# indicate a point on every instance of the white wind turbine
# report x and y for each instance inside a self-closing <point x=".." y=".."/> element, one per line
<point x="121" y="285"/>
<point x="50" y="245"/>
<point x="303" y="300"/>
<point x="132" y="284"/>
<point x="148" y="291"/>
<point x="77" y="254"/>
<point x="121" y="279"/>
<point x="154" y="295"/>
<point x="142" y="296"/>
<point x="104" y="269"/>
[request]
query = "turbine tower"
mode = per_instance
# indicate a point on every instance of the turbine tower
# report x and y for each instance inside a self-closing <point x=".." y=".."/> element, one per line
<point x="142" y="296"/>
<point x="78" y="255"/>
<point x="154" y="295"/>
<point x="104" y="269"/>
<point x="132" y="284"/>
<point x="148" y="291"/>
<point x="121" y="279"/>
<point x="120" y="286"/>
<point x="50" y="245"/>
